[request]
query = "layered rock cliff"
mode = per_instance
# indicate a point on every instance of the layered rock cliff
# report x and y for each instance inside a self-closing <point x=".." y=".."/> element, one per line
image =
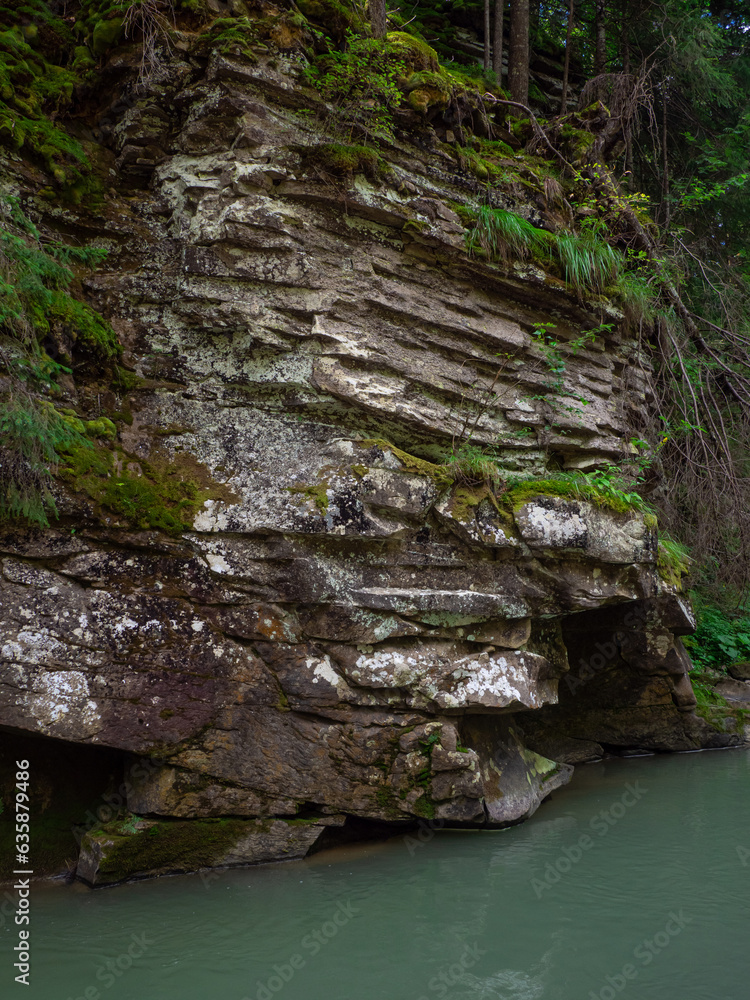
<point x="347" y="628"/>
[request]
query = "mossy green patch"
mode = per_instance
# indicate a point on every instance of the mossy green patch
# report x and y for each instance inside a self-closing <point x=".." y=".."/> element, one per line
<point x="231" y="36"/>
<point x="344" y="160"/>
<point x="134" y="847"/>
<point x="318" y="493"/>
<point x="673" y="561"/>
<point x="416" y="53"/>
<point x="166" y="496"/>
<point x="590" y="487"/>
<point x="106" y="34"/>
<point x="465" y="500"/>
<point x="333" y="17"/>
<point x="439" y="474"/>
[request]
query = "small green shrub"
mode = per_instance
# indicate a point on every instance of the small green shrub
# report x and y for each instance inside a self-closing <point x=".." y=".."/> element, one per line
<point x="362" y="85"/>
<point x="32" y="436"/>
<point x="719" y="639"/>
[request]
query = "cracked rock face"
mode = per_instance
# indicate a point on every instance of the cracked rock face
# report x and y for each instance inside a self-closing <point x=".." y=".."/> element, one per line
<point x="358" y="633"/>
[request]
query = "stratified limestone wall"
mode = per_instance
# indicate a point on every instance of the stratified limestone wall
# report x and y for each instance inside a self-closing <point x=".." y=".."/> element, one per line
<point x="354" y="634"/>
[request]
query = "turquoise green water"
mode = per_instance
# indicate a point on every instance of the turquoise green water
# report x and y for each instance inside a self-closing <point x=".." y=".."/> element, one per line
<point x="632" y="882"/>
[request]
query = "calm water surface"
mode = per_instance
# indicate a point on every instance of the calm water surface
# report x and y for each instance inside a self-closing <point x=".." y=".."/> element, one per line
<point x="632" y="882"/>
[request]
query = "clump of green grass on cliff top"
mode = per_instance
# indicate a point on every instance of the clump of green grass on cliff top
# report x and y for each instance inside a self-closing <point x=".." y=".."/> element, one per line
<point x="588" y="261"/>
<point x="505" y="236"/>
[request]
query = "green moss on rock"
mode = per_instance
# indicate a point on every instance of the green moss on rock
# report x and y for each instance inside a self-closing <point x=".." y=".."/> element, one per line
<point x="439" y="474"/>
<point x="166" y="496"/>
<point x="342" y="160"/>
<point x="136" y="847"/>
<point x="416" y="54"/>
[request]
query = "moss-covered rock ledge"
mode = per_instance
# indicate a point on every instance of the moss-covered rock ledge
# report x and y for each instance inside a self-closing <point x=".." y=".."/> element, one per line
<point x="140" y="848"/>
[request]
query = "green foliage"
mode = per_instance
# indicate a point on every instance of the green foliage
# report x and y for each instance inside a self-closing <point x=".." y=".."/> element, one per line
<point x="362" y="85"/>
<point x="505" y="236"/>
<point x="589" y="263"/>
<point x="32" y="436"/>
<point x="468" y="463"/>
<point x="587" y="260"/>
<point x="344" y="160"/>
<point x="35" y="301"/>
<point x="706" y="698"/>
<point x="673" y="561"/>
<point x="638" y="293"/>
<point x="556" y="353"/>
<point x="604" y="488"/>
<point x="33" y="88"/>
<point x="720" y="639"/>
<point x="35" y="282"/>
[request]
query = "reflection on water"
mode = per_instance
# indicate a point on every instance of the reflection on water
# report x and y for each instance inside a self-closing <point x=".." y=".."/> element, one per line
<point x="631" y="882"/>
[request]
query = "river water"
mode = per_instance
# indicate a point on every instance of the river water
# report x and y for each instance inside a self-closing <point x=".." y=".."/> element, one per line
<point x="632" y="882"/>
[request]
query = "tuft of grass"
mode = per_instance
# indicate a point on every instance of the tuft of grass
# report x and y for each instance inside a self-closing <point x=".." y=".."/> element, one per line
<point x="505" y="236"/>
<point x="638" y="297"/>
<point x="470" y="464"/>
<point x="586" y="259"/>
<point x="589" y="263"/>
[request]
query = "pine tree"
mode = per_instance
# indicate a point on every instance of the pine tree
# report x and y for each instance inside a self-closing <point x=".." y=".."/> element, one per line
<point x="518" y="55"/>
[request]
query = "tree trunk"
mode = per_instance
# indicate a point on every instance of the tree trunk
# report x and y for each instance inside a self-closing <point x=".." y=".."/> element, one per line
<point x="626" y="73"/>
<point x="497" y="45"/>
<point x="664" y="155"/>
<point x="377" y="18"/>
<point x="600" y="49"/>
<point x="518" y="56"/>
<point x="566" y="67"/>
<point x="486" y="35"/>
